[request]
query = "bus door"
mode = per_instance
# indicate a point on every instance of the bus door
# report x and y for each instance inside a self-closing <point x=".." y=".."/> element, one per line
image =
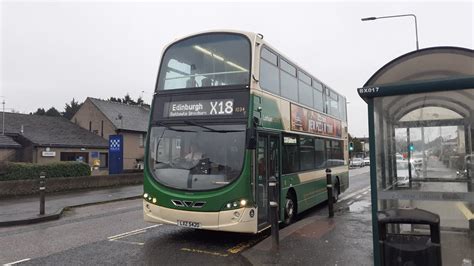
<point x="268" y="165"/>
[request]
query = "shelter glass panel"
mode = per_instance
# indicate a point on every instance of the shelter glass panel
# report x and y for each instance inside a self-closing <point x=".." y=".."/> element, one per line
<point x="424" y="159"/>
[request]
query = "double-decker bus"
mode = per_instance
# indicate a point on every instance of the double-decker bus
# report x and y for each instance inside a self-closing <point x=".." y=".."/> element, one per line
<point x="228" y="113"/>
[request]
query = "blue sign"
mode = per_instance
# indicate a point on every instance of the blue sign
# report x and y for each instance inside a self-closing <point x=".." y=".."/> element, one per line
<point x="115" y="154"/>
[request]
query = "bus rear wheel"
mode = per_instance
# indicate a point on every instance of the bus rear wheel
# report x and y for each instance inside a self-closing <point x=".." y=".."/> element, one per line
<point x="290" y="209"/>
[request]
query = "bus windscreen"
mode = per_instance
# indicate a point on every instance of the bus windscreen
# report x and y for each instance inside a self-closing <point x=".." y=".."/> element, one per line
<point x="196" y="157"/>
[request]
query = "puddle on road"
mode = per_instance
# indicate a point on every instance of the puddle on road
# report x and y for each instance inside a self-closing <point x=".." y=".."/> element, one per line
<point x="359" y="206"/>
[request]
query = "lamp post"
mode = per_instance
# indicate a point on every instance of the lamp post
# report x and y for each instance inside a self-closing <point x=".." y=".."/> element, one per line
<point x="3" y="116"/>
<point x="397" y="16"/>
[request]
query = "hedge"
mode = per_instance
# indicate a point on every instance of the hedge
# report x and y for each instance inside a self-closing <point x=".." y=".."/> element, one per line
<point x="17" y="171"/>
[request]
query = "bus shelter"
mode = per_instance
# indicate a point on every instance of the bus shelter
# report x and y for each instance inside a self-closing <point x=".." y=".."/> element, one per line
<point x="421" y="127"/>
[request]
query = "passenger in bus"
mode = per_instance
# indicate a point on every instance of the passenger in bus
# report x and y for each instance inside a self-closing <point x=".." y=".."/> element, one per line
<point x="206" y="82"/>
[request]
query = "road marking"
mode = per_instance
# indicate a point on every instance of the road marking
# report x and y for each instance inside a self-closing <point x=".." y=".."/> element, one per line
<point x="204" y="252"/>
<point x="16" y="262"/>
<point x="241" y="246"/>
<point x="128" y="242"/>
<point x="354" y="193"/>
<point x="358" y="197"/>
<point x="133" y="232"/>
<point x="462" y="207"/>
<point x="127" y="235"/>
<point x="365" y="193"/>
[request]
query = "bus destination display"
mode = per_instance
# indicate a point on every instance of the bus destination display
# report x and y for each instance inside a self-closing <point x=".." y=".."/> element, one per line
<point x="199" y="108"/>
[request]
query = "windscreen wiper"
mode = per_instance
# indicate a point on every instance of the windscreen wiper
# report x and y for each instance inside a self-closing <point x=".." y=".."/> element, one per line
<point x="208" y="128"/>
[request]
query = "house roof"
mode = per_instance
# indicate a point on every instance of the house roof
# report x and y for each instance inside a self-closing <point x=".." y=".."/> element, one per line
<point x="124" y="116"/>
<point x="51" y="131"/>
<point x="8" y="142"/>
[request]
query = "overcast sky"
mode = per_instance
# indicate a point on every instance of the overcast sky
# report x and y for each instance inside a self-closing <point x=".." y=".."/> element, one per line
<point x="54" y="51"/>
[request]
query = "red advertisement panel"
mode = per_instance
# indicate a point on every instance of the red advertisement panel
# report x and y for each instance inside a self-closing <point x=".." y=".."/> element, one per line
<point x="309" y="121"/>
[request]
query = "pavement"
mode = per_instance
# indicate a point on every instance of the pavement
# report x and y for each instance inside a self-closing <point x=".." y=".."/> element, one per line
<point x="25" y="210"/>
<point x="345" y="239"/>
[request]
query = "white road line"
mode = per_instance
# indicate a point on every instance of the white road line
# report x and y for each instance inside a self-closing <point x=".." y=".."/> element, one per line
<point x="127" y="235"/>
<point x="16" y="262"/>
<point x="358" y="197"/>
<point x="141" y="230"/>
<point x="129" y="242"/>
<point x="353" y="194"/>
<point x="365" y="193"/>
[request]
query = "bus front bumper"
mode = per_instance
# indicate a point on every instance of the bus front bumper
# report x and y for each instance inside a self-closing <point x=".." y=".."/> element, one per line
<point x="238" y="220"/>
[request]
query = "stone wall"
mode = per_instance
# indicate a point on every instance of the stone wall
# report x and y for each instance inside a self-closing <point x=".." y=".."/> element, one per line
<point x="29" y="187"/>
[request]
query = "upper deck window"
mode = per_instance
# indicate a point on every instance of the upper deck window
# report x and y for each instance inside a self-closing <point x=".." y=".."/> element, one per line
<point x="208" y="60"/>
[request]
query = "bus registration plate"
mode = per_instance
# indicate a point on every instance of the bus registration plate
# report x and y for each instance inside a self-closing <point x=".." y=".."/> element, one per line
<point x="188" y="224"/>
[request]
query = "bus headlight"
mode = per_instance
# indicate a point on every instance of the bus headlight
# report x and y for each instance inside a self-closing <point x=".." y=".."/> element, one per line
<point x="145" y="195"/>
<point x="236" y="204"/>
<point x="154" y="200"/>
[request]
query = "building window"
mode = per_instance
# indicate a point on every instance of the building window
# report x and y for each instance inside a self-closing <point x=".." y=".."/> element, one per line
<point x="142" y="139"/>
<point x="75" y="156"/>
<point x="102" y="128"/>
<point x="90" y="125"/>
<point x="104" y="160"/>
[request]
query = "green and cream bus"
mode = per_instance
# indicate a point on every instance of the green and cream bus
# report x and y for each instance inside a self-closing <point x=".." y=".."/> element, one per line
<point x="229" y="112"/>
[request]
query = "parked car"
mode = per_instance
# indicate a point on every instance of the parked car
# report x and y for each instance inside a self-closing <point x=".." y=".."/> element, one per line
<point x="403" y="173"/>
<point x="417" y="160"/>
<point x="357" y="162"/>
<point x="366" y="161"/>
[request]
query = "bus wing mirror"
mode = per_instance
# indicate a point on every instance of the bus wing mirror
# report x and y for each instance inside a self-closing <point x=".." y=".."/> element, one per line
<point x="251" y="137"/>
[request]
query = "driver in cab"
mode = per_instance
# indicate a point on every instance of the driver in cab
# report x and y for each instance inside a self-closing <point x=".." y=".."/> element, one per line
<point x="194" y="154"/>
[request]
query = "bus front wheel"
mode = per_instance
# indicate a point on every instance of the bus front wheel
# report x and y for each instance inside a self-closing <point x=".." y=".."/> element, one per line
<point x="290" y="208"/>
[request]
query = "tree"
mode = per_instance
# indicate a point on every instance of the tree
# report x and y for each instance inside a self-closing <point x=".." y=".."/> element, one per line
<point x="71" y="108"/>
<point x="52" y="112"/>
<point x="40" y="111"/>
<point x="140" y="101"/>
<point x="128" y="100"/>
<point x="117" y="100"/>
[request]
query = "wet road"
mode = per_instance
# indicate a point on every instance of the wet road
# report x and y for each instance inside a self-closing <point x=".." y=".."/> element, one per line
<point x="115" y="233"/>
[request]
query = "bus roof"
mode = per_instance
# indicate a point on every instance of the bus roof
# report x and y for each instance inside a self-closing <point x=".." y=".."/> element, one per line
<point x="253" y="37"/>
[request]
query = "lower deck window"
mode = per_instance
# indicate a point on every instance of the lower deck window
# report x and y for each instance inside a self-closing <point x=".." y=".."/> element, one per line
<point x="302" y="153"/>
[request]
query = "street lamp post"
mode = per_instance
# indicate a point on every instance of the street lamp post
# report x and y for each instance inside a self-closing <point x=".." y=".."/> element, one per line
<point x="3" y="116"/>
<point x="397" y="16"/>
